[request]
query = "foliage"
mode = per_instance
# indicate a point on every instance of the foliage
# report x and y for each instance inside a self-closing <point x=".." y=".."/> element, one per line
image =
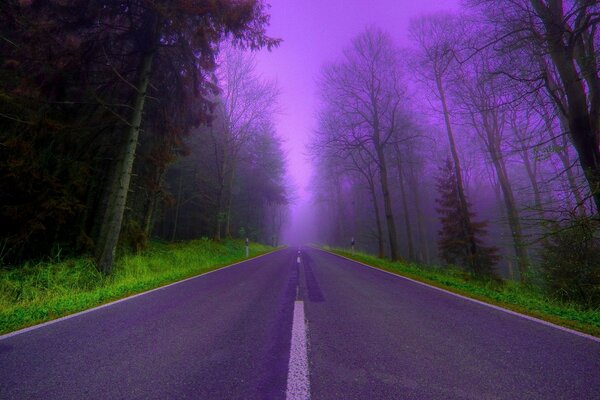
<point x="37" y="292"/>
<point x="194" y="182"/>
<point x="458" y="233"/>
<point x="68" y="76"/>
<point x="570" y="261"/>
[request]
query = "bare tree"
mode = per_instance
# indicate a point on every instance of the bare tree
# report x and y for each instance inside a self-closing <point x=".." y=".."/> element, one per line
<point x="246" y="105"/>
<point x="402" y="183"/>
<point x="570" y="37"/>
<point x="520" y="122"/>
<point x="561" y="37"/>
<point x="437" y="37"/>
<point x="362" y="92"/>
<point x="482" y="95"/>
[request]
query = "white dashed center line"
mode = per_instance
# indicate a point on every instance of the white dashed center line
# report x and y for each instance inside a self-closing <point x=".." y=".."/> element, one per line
<point x="298" y="385"/>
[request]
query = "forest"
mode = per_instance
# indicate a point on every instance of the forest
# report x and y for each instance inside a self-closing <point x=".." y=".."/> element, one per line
<point x="296" y="199"/>
<point x="477" y="146"/>
<point x="122" y="121"/>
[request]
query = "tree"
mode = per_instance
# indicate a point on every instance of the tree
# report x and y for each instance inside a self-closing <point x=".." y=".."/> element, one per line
<point x="402" y="185"/>
<point x="561" y="38"/>
<point x="79" y="95"/>
<point x="454" y="245"/>
<point x="437" y="37"/>
<point x="160" y="26"/>
<point x="571" y="42"/>
<point x="362" y="93"/>
<point x="355" y="162"/>
<point x="247" y="103"/>
<point x="483" y="98"/>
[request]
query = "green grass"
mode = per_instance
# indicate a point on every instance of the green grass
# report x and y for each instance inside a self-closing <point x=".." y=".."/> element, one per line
<point x="510" y="295"/>
<point x="34" y="293"/>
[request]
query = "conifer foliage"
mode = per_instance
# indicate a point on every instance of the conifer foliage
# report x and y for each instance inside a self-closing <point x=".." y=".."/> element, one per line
<point x="458" y="233"/>
<point x="96" y="101"/>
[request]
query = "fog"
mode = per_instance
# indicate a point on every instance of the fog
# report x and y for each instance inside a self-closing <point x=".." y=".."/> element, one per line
<point x="436" y="132"/>
<point x="313" y="32"/>
<point x="451" y="109"/>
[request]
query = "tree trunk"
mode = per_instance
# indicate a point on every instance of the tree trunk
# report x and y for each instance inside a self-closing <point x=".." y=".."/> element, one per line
<point x="177" y="206"/>
<point x="532" y="175"/>
<point x="511" y="210"/>
<point x="565" y="159"/>
<point x="219" y="216"/>
<point x="568" y="168"/>
<point x="584" y="122"/>
<point x="380" y="244"/>
<point x="149" y="215"/>
<point x="423" y="253"/>
<point x="409" y="238"/>
<point x="220" y="200"/>
<point x="229" y="201"/>
<point x="117" y="198"/>
<point x="472" y="246"/>
<point x="563" y="154"/>
<point x="338" y="234"/>
<point x="387" y="201"/>
<point x="151" y="204"/>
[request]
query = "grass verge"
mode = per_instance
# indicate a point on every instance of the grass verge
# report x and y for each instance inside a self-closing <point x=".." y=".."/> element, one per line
<point x="511" y="295"/>
<point x="35" y="293"/>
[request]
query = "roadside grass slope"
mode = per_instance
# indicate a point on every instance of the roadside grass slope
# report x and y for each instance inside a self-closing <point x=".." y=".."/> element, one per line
<point x="39" y="292"/>
<point x="511" y="295"/>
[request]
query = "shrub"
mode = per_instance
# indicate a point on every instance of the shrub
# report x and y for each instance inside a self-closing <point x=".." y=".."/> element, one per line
<point x="570" y="261"/>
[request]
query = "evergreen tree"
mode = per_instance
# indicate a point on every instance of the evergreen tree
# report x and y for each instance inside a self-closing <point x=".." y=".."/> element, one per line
<point x="459" y="231"/>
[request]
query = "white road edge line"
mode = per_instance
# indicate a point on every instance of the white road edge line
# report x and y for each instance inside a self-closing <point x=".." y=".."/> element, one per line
<point x="43" y="324"/>
<point x="298" y="385"/>
<point x="540" y="321"/>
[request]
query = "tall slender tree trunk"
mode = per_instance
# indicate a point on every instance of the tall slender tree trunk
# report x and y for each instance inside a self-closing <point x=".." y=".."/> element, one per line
<point x="409" y="238"/>
<point x="585" y="139"/>
<point x="220" y="198"/>
<point x="117" y="198"/>
<point x="151" y="203"/>
<point x="149" y="215"/>
<point x="579" y="77"/>
<point x="380" y="244"/>
<point x="563" y="154"/>
<point x="423" y="253"/>
<point x="387" y="201"/>
<point x="229" y="201"/>
<point x="219" y="216"/>
<point x="177" y="206"/>
<point x="565" y="159"/>
<point x="512" y="212"/>
<point x="467" y="227"/>
<point x="533" y="179"/>
<point x="339" y="225"/>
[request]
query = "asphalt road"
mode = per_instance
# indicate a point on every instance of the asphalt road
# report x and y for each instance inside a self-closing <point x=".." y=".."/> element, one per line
<point x="367" y="335"/>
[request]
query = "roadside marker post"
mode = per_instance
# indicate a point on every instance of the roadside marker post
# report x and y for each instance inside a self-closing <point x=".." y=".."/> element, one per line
<point x="247" y="252"/>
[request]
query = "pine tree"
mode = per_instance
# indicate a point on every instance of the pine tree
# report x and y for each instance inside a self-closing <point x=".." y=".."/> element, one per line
<point x="459" y="232"/>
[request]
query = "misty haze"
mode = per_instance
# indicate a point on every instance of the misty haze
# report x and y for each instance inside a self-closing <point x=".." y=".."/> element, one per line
<point x="277" y="199"/>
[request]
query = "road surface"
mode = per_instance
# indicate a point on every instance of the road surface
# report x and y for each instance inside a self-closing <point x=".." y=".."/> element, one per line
<point x="273" y="328"/>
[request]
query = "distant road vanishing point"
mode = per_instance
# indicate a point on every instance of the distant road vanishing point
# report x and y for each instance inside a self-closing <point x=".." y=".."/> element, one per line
<point x="298" y="324"/>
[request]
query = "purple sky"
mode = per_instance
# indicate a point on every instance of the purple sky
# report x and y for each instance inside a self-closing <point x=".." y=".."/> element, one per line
<point x="314" y="32"/>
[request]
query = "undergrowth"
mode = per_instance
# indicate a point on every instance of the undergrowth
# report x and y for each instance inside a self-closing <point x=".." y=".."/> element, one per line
<point x="37" y="292"/>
